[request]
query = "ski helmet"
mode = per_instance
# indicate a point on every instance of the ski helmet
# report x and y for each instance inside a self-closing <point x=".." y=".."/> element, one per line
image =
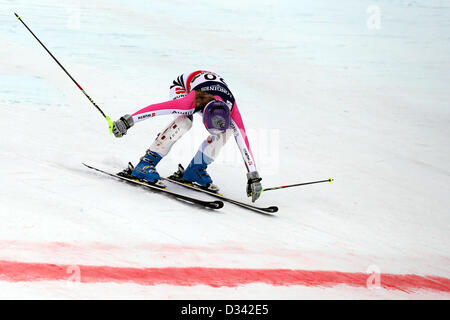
<point x="216" y="117"/>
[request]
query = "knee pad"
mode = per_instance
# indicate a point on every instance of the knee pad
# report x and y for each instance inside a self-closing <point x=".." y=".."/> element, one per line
<point x="213" y="144"/>
<point x="174" y="131"/>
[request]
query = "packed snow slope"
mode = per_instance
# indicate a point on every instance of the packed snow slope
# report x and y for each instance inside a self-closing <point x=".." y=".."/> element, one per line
<point x="354" y="90"/>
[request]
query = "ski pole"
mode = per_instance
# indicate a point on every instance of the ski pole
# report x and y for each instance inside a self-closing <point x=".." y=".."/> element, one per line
<point x="110" y="123"/>
<point x="298" y="184"/>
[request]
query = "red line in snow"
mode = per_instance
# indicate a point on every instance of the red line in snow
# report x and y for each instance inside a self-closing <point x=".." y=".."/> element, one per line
<point x="215" y="277"/>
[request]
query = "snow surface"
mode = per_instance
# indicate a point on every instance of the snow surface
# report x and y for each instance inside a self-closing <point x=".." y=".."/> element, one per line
<point x="323" y="93"/>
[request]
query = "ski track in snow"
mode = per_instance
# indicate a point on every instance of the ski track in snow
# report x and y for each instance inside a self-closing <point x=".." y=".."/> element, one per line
<point x="321" y="95"/>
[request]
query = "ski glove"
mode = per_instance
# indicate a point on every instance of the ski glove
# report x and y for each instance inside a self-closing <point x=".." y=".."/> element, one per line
<point x="254" y="187"/>
<point x="121" y="126"/>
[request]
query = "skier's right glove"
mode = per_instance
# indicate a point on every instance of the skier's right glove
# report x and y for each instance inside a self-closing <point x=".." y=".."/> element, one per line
<point x="254" y="187"/>
<point x="121" y="126"/>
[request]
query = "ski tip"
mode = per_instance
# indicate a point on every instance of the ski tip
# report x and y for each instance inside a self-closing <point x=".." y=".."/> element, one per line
<point x="217" y="204"/>
<point x="331" y="180"/>
<point x="272" y="209"/>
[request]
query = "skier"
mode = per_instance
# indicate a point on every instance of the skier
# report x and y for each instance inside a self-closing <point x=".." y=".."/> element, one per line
<point x="204" y="93"/>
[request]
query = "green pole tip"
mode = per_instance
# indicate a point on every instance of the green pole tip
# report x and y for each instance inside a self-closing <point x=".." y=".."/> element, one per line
<point x="16" y="15"/>
<point x="331" y="179"/>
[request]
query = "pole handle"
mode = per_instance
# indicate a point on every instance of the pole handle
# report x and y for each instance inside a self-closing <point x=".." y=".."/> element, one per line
<point x="110" y="124"/>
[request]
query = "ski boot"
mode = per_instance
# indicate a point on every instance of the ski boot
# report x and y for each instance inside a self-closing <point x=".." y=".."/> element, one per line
<point x="196" y="174"/>
<point x="145" y="170"/>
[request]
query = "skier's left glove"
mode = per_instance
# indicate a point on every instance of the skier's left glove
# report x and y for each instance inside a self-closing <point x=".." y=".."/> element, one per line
<point x="121" y="126"/>
<point x="254" y="187"/>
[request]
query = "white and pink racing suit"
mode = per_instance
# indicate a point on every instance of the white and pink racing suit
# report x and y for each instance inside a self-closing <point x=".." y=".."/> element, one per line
<point x="182" y="92"/>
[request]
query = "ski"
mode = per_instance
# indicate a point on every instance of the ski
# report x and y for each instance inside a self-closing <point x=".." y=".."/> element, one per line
<point x="268" y="210"/>
<point x="208" y="204"/>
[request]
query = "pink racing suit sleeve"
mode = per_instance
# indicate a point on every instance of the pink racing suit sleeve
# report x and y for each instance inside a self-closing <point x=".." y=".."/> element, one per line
<point x="241" y="139"/>
<point x="185" y="106"/>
